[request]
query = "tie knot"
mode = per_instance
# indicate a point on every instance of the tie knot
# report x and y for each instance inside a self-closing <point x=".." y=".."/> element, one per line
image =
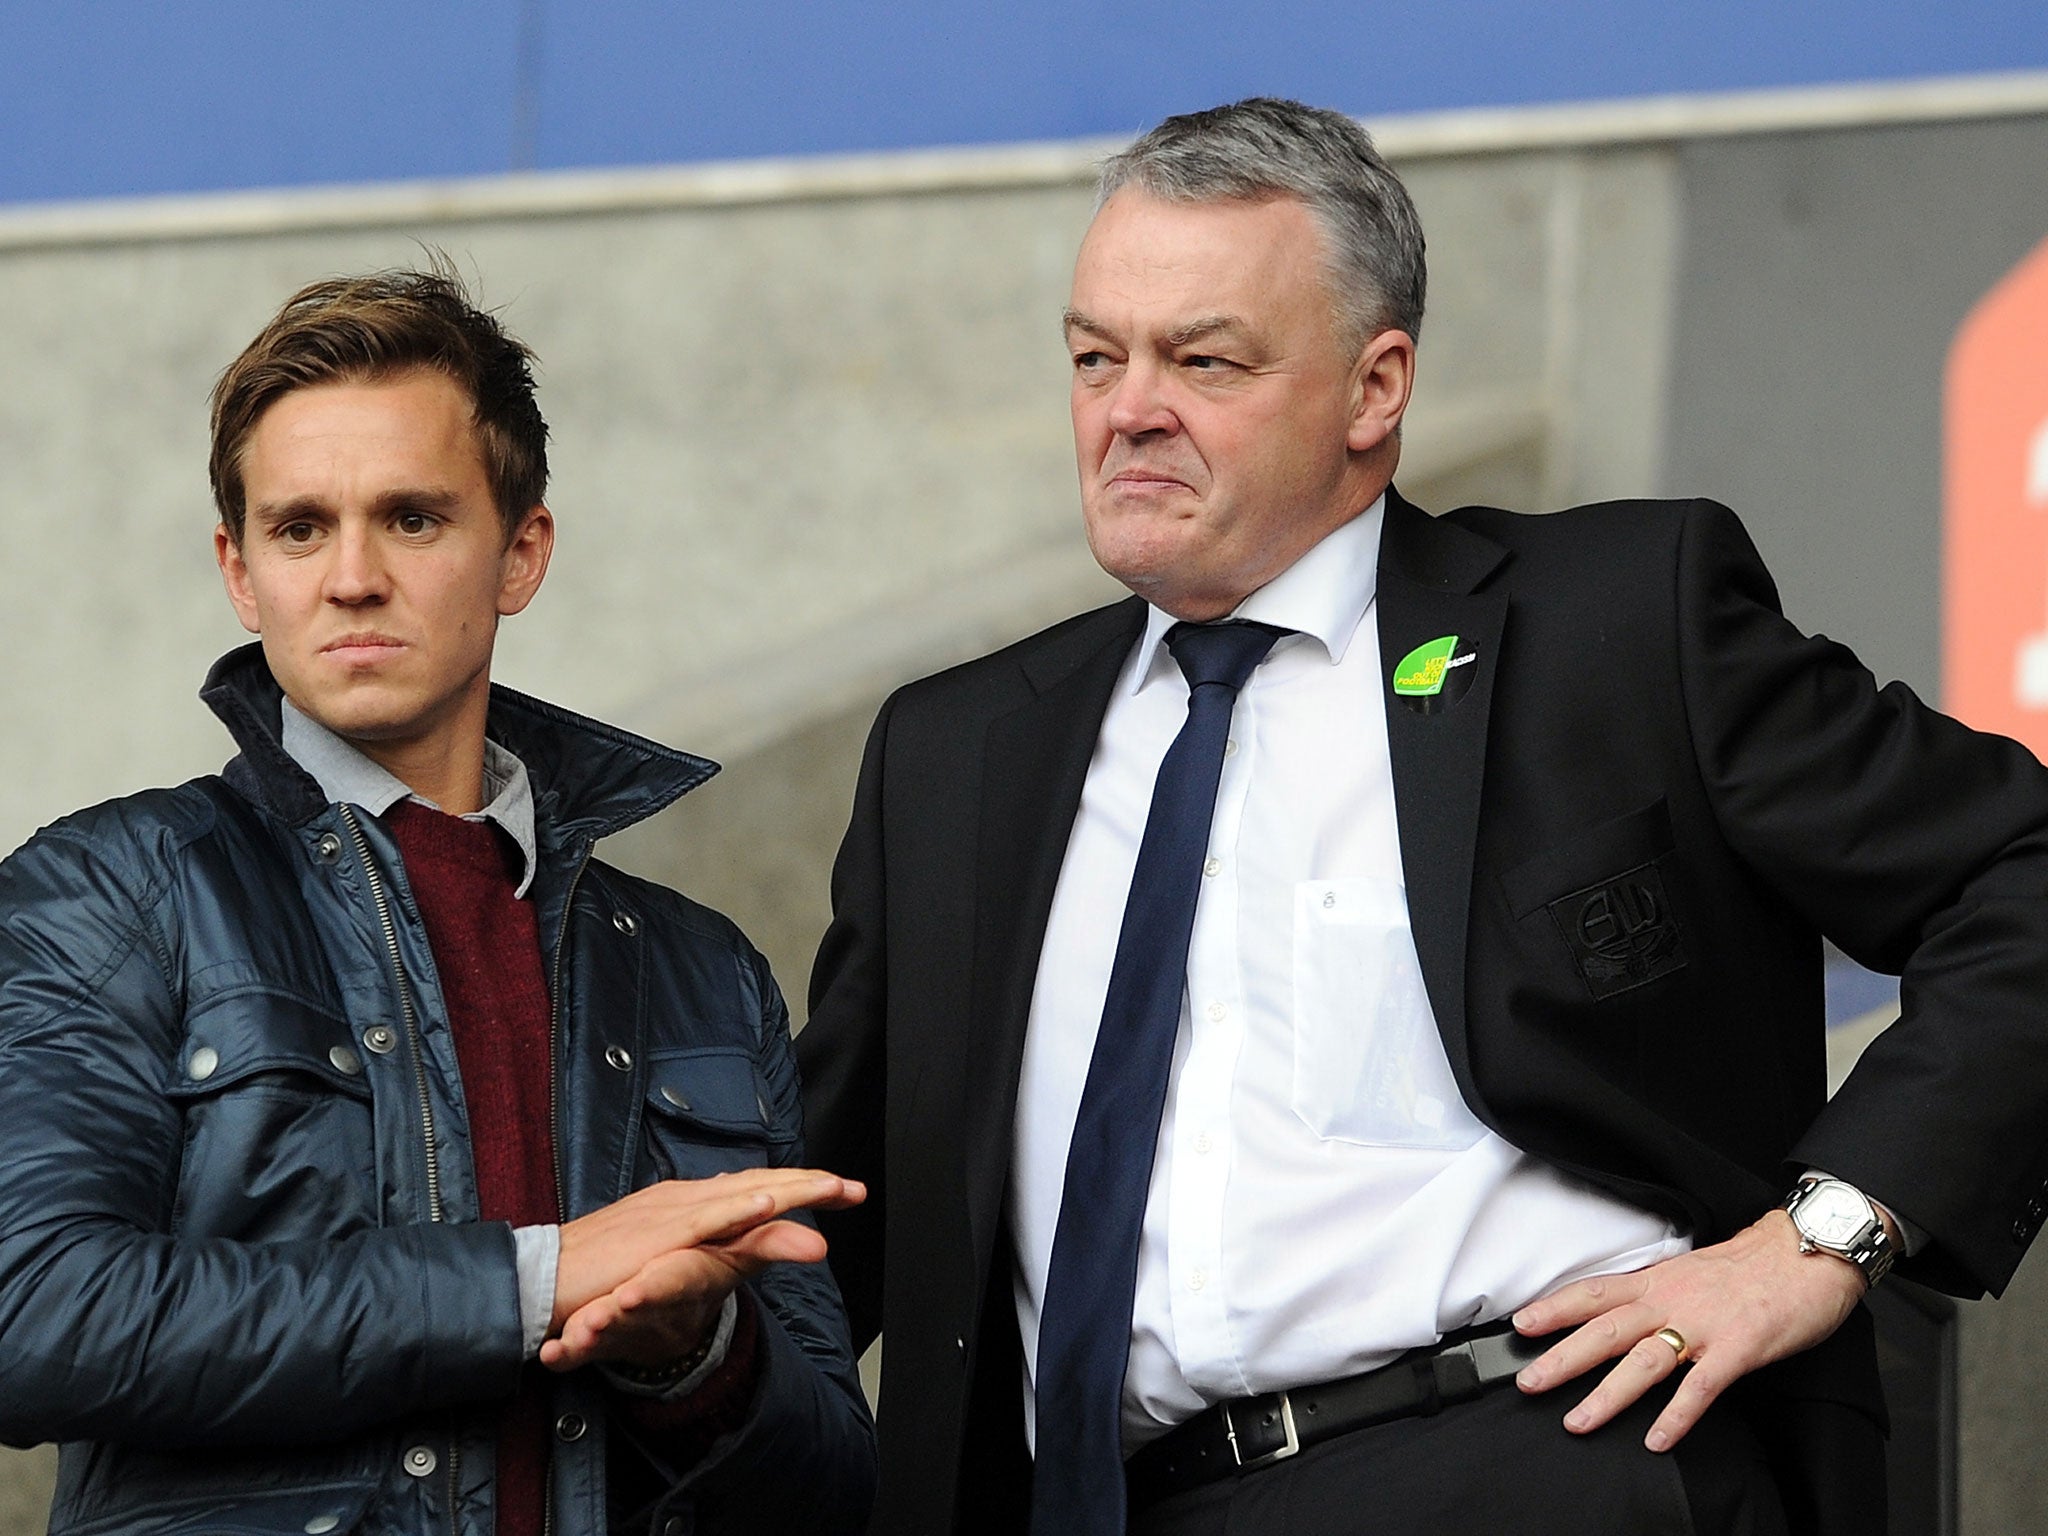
<point x="1220" y="653"/>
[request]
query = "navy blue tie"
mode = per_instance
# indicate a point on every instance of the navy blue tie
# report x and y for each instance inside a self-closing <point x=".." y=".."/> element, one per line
<point x="1084" y="1335"/>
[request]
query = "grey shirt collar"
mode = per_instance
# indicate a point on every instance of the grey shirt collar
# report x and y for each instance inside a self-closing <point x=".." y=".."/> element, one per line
<point x="348" y="777"/>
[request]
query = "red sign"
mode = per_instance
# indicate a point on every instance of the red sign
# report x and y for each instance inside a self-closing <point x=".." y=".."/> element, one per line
<point x="1995" y="575"/>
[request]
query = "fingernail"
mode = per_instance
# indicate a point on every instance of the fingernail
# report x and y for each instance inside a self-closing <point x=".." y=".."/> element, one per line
<point x="1657" y="1440"/>
<point x="1577" y="1422"/>
<point x="1528" y="1380"/>
<point x="1521" y="1321"/>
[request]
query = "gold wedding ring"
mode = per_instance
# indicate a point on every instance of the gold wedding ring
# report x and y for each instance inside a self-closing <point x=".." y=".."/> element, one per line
<point x="1675" y="1339"/>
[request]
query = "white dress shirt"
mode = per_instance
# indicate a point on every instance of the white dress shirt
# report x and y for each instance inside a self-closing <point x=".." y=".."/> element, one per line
<point x="1321" y="1197"/>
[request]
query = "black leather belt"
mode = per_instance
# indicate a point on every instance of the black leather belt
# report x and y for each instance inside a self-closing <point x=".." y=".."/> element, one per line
<point x="1232" y="1438"/>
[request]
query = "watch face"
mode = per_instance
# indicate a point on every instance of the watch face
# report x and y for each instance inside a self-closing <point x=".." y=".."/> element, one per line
<point x="1834" y="1214"/>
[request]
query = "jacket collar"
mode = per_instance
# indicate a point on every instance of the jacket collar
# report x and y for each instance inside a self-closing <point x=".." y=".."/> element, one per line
<point x="1433" y="552"/>
<point x="589" y="779"/>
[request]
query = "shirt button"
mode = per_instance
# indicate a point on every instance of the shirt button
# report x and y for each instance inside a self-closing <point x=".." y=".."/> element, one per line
<point x="1329" y="898"/>
<point x="1230" y="747"/>
<point x="1218" y="1013"/>
<point x="1211" y="866"/>
<point x="420" y="1461"/>
<point x="1198" y="1279"/>
<point x="1203" y="1143"/>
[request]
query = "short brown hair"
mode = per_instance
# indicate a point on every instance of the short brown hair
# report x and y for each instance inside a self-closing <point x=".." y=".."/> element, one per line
<point x="357" y="329"/>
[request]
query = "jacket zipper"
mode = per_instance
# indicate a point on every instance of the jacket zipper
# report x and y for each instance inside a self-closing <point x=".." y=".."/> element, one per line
<point x="435" y="1211"/>
<point x="555" y="1037"/>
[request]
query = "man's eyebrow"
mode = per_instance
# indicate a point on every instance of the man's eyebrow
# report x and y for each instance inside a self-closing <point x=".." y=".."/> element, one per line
<point x="1207" y="325"/>
<point x="1072" y="320"/>
<point x="433" y="499"/>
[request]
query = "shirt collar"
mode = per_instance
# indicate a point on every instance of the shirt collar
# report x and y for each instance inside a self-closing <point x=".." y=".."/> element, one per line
<point x="1324" y="595"/>
<point x="348" y="777"/>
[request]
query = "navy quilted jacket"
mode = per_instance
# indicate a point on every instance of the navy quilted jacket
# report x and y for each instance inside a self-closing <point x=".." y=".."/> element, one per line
<point x="241" y="1271"/>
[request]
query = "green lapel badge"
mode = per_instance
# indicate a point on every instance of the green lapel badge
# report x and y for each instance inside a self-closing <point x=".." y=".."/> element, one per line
<point x="1435" y="675"/>
<point x="1420" y="673"/>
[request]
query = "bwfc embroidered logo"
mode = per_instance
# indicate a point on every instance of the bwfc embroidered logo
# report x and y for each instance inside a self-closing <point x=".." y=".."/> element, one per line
<point x="1621" y="932"/>
<point x="1435" y="675"/>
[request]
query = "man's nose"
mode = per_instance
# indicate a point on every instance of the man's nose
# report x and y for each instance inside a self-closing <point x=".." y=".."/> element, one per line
<point x="357" y="573"/>
<point x="1139" y="403"/>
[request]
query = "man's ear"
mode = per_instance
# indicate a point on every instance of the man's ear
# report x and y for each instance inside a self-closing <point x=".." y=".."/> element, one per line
<point x="1382" y="380"/>
<point x="234" y="575"/>
<point x="525" y="560"/>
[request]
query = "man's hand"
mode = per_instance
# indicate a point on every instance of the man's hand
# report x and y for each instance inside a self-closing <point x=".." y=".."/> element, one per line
<point x="1738" y="1305"/>
<point x="642" y="1280"/>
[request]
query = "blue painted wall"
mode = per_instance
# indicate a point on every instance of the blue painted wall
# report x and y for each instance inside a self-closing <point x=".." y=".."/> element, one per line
<point x="116" y="97"/>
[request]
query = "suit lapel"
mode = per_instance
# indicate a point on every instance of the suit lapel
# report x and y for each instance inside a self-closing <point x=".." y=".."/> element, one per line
<point x="1428" y="575"/>
<point x="1034" y="764"/>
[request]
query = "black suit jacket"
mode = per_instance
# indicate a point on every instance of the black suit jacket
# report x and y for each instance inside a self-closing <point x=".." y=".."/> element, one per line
<point x="1622" y="844"/>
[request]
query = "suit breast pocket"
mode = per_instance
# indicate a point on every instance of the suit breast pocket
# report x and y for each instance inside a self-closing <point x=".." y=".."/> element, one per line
<point x="1604" y="901"/>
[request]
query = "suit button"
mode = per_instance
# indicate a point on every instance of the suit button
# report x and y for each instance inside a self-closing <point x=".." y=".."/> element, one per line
<point x="626" y="923"/>
<point x="2021" y="1232"/>
<point x="618" y="1058"/>
<point x="345" y="1061"/>
<point x="320" y="1525"/>
<point x="327" y="848"/>
<point x="420" y="1461"/>
<point x="2035" y="1210"/>
<point x="674" y="1526"/>
<point x="204" y="1063"/>
<point x="570" y="1427"/>
<point x="380" y="1038"/>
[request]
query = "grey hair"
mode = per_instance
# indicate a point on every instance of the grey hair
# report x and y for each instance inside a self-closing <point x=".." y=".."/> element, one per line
<point x="1265" y="147"/>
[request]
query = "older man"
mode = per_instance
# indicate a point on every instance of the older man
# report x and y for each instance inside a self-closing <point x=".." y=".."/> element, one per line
<point x="1267" y="1006"/>
<point x="324" y="1082"/>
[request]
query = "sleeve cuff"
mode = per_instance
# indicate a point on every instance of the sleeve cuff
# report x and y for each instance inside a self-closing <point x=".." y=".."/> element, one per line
<point x="537" y="1251"/>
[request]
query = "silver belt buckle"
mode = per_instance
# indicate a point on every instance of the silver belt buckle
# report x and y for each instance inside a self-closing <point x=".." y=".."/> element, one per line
<point x="1291" y="1448"/>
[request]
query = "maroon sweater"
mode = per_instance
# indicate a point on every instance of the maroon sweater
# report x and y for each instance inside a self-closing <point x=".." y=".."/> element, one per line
<point x="486" y="944"/>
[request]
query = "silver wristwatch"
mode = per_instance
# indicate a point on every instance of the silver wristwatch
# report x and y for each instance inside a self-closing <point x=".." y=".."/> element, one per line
<point x="1833" y="1217"/>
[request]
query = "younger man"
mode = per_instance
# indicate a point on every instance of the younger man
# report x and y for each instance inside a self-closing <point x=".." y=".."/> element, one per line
<point x="324" y="1082"/>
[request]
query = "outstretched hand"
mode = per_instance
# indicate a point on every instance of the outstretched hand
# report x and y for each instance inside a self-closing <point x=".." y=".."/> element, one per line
<point x="642" y="1280"/>
<point x="1737" y="1305"/>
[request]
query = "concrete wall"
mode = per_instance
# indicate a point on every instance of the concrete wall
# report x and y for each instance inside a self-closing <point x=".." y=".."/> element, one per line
<point x="1821" y="278"/>
<point x="810" y="438"/>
